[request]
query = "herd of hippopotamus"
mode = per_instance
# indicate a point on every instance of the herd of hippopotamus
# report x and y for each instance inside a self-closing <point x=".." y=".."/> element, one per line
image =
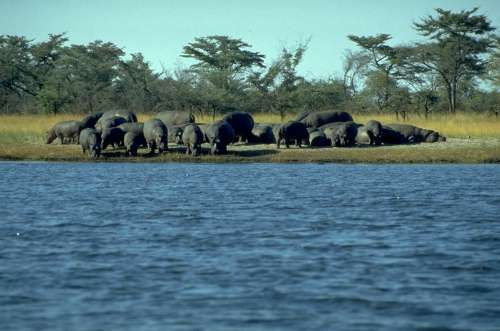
<point x="120" y="128"/>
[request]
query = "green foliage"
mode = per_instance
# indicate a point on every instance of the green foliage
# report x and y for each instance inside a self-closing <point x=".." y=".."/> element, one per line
<point x="458" y="43"/>
<point x="458" y="67"/>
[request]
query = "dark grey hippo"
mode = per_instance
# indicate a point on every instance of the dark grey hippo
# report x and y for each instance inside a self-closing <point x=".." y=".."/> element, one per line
<point x="90" y="140"/>
<point x="90" y="120"/>
<point x="392" y="137"/>
<point x="171" y="118"/>
<point x="66" y="131"/>
<point x="219" y="134"/>
<point x="112" y="136"/>
<point x="341" y="134"/>
<point x="132" y="141"/>
<point x="156" y="134"/>
<point x="242" y="124"/>
<point x="292" y="131"/>
<point x="128" y="115"/>
<point x="192" y="137"/>
<point x="262" y="134"/>
<point x="111" y="122"/>
<point x="317" y="138"/>
<point x="317" y="119"/>
<point x="131" y="127"/>
<point x="364" y="136"/>
<point x="375" y="130"/>
<point x="413" y="134"/>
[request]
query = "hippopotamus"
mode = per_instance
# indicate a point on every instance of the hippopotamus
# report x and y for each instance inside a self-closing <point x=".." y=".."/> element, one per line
<point x="66" y="131"/>
<point x="128" y="115"/>
<point x="412" y="134"/>
<point x="112" y="136"/>
<point x="365" y="136"/>
<point x="109" y="122"/>
<point x="203" y="127"/>
<point x="131" y="127"/>
<point x="171" y="118"/>
<point x="242" y="124"/>
<point x="90" y="120"/>
<point x="132" y="140"/>
<point x="90" y="141"/>
<point x="156" y="134"/>
<point x="341" y="134"/>
<point x="262" y="134"/>
<point x="374" y="129"/>
<point x="317" y="119"/>
<point x="293" y="130"/>
<point x="192" y="137"/>
<point x="317" y="138"/>
<point x="219" y="134"/>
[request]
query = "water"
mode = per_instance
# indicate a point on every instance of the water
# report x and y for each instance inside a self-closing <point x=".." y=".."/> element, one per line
<point x="265" y="246"/>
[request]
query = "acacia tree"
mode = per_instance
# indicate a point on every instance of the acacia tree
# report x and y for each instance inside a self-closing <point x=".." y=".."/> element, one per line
<point x="279" y="82"/>
<point x="223" y="57"/>
<point x="383" y="62"/>
<point x="456" y="52"/>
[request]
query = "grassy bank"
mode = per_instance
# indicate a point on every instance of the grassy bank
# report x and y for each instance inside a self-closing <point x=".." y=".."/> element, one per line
<point x="22" y="138"/>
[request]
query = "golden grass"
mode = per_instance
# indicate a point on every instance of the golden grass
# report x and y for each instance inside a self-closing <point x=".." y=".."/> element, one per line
<point x="22" y="138"/>
<point x="460" y="125"/>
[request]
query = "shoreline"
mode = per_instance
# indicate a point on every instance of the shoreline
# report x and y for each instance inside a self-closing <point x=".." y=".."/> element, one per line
<point x="455" y="150"/>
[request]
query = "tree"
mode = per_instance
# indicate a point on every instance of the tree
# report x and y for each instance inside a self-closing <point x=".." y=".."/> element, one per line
<point x="136" y="86"/>
<point x="384" y="66"/>
<point x="90" y="71"/>
<point x="281" y="79"/>
<point x="222" y="59"/>
<point x="494" y="66"/>
<point x="355" y="67"/>
<point x="456" y="52"/>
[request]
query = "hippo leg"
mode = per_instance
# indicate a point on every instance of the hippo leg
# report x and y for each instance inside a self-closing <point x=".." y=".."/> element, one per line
<point x="287" y="143"/>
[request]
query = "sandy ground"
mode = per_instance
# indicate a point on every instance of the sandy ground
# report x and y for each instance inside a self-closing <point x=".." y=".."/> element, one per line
<point x="450" y="143"/>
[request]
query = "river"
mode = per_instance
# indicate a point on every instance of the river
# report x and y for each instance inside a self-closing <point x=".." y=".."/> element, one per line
<point x="139" y="246"/>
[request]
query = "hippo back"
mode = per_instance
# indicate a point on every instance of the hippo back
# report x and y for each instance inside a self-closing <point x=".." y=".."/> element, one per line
<point x="128" y="115"/>
<point x="317" y="119"/>
<point x="241" y="122"/>
<point x="132" y="127"/>
<point x="90" y="120"/>
<point x="172" y="118"/>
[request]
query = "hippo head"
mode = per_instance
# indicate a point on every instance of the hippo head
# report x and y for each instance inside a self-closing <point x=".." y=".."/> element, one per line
<point x="433" y="137"/>
<point x="51" y="135"/>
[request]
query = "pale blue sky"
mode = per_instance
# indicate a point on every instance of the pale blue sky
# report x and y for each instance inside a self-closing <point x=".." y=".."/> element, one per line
<point x="159" y="29"/>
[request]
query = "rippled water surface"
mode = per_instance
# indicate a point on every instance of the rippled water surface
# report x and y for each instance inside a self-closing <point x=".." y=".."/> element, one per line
<point x="260" y="246"/>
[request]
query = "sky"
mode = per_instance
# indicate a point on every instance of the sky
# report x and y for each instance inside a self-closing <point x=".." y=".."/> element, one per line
<point x="160" y="29"/>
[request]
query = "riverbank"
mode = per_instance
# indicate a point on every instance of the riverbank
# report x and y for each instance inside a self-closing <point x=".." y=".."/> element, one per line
<point x="455" y="150"/>
<point x="471" y="139"/>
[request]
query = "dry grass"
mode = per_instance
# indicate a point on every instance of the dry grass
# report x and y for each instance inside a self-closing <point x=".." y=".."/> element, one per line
<point x="22" y="138"/>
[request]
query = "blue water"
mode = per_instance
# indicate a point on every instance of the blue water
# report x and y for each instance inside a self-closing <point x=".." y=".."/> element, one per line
<point x="87" y="246"/>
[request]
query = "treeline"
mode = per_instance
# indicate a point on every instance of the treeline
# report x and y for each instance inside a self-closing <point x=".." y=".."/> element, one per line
<point x="457" y="67"/>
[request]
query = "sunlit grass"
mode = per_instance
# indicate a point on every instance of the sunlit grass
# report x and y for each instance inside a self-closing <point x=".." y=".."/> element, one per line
<point x="22" y="138"/>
